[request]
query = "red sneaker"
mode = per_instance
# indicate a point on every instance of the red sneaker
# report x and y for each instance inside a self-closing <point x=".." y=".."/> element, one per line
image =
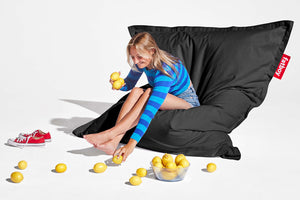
<point x="38" y="133"/>
<point x="27" y="141"/>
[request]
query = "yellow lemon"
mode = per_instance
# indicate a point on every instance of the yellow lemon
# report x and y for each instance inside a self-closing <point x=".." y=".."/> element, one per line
<point x="171" y="165"/>
<point x="158" y="165"/>
<point x="121" y="80"/>
<point x="114" y="76"/>
<point x="141" y="172"/>
<point x="117" y="159"/>
<point x="135" y="180"/>
<point x="168" y="175"/>
<point x="60" y="168"/>
<point x="100" y="167"/>
<point x="117" y="84"/>
<point x="211" y="167"/>
<point x="166" y="158"/>
<point x="179" y="158"/>
<point x="16" y="177"/>
<point x="156" y="159"/>
<point x="22" y="164"/>
<point x="184" y="163"/>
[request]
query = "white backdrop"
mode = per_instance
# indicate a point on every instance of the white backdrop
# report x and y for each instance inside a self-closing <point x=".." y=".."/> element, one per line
<point x="67" y="49"/>
<point x="58" y="54"/>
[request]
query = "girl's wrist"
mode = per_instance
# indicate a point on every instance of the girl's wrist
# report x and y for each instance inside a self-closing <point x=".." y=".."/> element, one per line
<point x="132" y="142"/>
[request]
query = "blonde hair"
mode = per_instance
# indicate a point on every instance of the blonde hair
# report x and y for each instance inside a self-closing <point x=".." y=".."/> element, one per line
<point x="144" y="43"/>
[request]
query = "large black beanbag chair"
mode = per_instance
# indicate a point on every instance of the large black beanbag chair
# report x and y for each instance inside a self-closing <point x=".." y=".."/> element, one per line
<point x="230" y="68"/>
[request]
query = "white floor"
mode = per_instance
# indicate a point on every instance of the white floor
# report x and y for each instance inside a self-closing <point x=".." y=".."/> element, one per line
<point x="268" y="141"/>
<point x="55" y="61"/>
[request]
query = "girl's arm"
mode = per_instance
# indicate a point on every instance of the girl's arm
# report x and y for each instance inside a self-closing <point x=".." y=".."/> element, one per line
<point x="162" y="84"/>
<point x="160" y="90"/>
<point x="126" y="150"/>
<point x="131" y="80"/>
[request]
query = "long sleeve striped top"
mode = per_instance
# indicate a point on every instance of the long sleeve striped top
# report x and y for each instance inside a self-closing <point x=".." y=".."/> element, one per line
<point x="162" y="85"/>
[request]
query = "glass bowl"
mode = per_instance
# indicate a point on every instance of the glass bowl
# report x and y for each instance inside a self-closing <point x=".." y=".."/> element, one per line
<point x="171" y="175"/>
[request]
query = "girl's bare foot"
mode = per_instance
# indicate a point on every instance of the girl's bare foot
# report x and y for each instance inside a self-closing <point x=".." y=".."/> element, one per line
<point x="98" y="138"/>
<point x="108" y="147"/>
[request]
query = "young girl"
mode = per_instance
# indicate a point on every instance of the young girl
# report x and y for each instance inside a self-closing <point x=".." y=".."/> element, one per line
<point x="171" y="89"/>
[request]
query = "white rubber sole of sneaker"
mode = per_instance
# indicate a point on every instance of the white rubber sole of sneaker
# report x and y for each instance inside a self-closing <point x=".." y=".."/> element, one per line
<point x="15" y="144"/>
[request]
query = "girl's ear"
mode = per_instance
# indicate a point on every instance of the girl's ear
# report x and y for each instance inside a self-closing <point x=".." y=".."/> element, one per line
<point x="152" y="51"/>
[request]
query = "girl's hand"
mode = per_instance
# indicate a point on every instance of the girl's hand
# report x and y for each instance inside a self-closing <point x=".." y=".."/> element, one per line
<point x="126" y="150"/>
<point x="112" y="82"/>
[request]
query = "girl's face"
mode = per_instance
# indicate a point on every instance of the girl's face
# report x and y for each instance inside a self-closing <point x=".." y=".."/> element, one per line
<point x="142" y="62"/>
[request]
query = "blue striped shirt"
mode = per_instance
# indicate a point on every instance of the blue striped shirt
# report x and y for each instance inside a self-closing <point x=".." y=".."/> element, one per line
<point x="162" y="85"/>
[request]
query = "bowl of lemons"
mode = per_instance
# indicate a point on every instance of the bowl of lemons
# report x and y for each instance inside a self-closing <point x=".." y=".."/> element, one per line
<point x="169" y="169"/>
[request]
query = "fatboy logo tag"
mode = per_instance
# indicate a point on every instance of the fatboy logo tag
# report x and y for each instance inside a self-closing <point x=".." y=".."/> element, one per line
<point x="282" y="66"/>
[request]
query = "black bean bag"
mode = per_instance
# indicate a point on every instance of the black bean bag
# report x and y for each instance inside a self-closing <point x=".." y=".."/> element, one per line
<point x="230" y="68"/>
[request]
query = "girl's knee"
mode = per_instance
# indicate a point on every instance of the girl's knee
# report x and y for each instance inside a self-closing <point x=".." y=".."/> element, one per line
<point x="148" y="90"/>
<point x="136" y="91"/>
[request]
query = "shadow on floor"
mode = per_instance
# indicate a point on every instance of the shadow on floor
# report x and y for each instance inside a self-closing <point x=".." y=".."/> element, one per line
<point x="9" y="180"/>
<point x="91" y="151"/>
<point x="97" y="107"/>
<point x="68" y="125"/>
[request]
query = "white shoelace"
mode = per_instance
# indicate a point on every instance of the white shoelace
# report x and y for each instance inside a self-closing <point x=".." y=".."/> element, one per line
<point x="29" y="134"/>
<point x="21" y="139"/>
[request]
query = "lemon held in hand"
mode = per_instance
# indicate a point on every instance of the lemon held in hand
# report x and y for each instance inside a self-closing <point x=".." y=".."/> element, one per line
<point x="117" y="159"/>
<point x="22" y="164"/>
<point x="121" y="80"/>
<point x="114" y="76"/>
<point x="60" y="168"/>
<point x="100" y="167"/>
<point x="16" y="177"/>
<point x="117" y="84"/>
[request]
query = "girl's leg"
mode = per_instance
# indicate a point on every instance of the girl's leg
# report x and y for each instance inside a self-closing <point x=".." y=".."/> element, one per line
<point x="171" y="102"/>
<point x="127" y="119"/>
<point x="131" y="100"/>
<point x="110" y="146"/>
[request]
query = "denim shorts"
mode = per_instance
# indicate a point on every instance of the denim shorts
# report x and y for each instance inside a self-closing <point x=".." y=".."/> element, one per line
<point x="190" y="96"/>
